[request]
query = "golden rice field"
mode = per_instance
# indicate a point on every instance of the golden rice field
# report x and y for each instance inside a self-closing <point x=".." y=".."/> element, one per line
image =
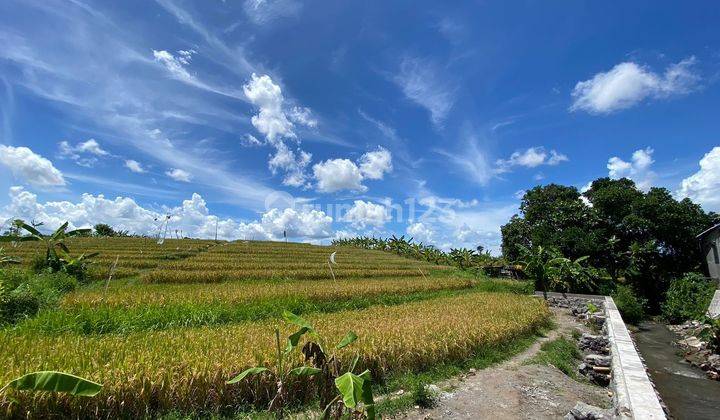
<point x="186" y="369"/>
<point x="214" y="307"/>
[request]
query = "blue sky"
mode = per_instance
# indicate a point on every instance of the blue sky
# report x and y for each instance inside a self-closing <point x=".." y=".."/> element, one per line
<point x="325" y="119"/>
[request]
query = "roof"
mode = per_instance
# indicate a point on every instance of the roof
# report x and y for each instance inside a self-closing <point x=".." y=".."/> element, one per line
<point x="705" y="232"/>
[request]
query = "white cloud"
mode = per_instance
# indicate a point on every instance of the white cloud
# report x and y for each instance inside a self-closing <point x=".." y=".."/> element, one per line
<point x="373" y="165"/>
<point x="79" y="152"/>
<point x="531" y="158"/>
<point x="179" y="175"/>
<point x="303" y="116"/>
<point x="427" y="85"/>
<point x="309" y="224"/>
<point x="628" y="84"/>
<point x="134" y="166"/>
<point x="420" y="232"/>
<point x="264" y="11"/>
<point x="275" y="124"/>
<point x="638" y="169"/>
<point x="248" y="140"/>
<point x="30" y="167"/>
<point x="703" y="186"/>
<point x="471" y="160"/>
<point x="271" y="121"/>
<point x="364" y="214"/>
<point x="292" y="163"/>
<point x="175" y="65"/>
<point x="338" y="174"/>
<point x="343" y="174"/>
<point x="192" y="217"/>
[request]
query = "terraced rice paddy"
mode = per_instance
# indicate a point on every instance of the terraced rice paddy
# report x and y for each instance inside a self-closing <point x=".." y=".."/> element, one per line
<point x="168" y="337"/>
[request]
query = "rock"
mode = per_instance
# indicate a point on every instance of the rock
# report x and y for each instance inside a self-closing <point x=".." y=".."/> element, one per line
<point x="583" y="411"/>
<point x="594" y="343"/>
<point x="598" y="360"/>
<point x="692" y="343"/>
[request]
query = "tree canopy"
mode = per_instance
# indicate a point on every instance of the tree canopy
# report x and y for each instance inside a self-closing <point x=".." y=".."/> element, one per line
<point x="643" y="238"/>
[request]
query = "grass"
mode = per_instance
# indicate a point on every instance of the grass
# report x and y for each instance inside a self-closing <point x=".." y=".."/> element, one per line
<point x="562" y="353"/>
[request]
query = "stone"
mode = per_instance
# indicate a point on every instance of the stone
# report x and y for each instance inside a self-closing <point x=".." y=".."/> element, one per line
<point x="583" y="411"/>
<point x="598" y="360"/>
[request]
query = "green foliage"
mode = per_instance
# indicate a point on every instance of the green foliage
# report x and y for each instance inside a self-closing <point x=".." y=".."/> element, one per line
<point x="57" y="255"/>
<point x="561" y="353"/>
<point x="353" y="389"/>
<point x="645" y="238"/>
<point x="687" y="298"/>
<point x="463" y="258"/>
<point x="536" y="265"/>
<point x="24" y="294"/>
<point x="422" y="397"/>
<point x="7" y="259"/>
<point x="631" y="307"/>
<point x="51" y="381"/>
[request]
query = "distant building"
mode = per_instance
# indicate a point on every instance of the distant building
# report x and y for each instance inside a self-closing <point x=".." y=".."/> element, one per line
<point x="710" y="244"/>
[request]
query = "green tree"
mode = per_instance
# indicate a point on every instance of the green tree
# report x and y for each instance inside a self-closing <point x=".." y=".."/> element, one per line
<point x="102" y="229"/>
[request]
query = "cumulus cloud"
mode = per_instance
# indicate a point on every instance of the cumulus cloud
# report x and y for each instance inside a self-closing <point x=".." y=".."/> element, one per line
<point x="638" y="169"/>
<point x="704" y="185"/>
<point x="273" y="122"/>
<point x="420" y="232"/>
<point x="338" y="174"/>
<point x="343" y="174"/>
<point x="366" y="214"/>
<point x="374" y="165"/>
<point x="134" y="166"/>
<point x="427" y="85"/>
<point x="531" y="158"/>
<point x="191" y="216"/>
<point x="84" y="153"/>
<point x="30" y="167"/>
<point x="179" y="175"/>
<point x="628" y="84"/>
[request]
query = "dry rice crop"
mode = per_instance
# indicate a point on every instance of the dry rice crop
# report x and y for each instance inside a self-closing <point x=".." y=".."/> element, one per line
<point x="185" y="369"/>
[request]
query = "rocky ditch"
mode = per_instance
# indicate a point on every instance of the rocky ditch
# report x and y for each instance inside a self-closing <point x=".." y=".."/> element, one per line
<point x="696" y="347"/>
<point x="596" y="365"/>
<point x="597" y="362"/>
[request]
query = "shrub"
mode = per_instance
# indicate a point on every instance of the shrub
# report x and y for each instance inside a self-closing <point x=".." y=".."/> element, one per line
<point x="687" y="298"/>
<point x="630" y="306"/>
<point x="424" y="397"/>
<point x="24" y="294"/>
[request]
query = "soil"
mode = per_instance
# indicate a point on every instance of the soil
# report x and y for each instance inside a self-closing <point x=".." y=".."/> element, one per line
<point x="515" y="390"/>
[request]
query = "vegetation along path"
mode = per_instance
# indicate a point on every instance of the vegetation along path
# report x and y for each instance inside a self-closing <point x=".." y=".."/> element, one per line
<point x="517" y="388"/>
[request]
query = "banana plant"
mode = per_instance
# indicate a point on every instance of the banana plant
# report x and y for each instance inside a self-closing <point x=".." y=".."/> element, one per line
<point x="52" y="242"/>
<point x="566" y="274"/>
<point x="52" y="381"/>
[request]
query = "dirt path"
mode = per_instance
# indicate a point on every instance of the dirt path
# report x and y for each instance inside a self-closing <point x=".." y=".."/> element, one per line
<point x="512" y="390"/>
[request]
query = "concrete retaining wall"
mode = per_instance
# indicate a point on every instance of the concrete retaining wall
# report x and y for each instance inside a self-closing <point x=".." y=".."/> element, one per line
<point x="634" y="394"/>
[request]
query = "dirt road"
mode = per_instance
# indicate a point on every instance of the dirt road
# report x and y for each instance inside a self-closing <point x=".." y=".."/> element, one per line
<point x="514" y="390"/>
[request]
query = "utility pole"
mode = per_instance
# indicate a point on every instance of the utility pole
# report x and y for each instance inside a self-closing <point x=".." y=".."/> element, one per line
<point x="216" y="228"/>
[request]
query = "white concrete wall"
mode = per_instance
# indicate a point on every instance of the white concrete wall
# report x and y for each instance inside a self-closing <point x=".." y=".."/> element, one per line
<point x="714" y="308"/>
<point x="635" y="396"/>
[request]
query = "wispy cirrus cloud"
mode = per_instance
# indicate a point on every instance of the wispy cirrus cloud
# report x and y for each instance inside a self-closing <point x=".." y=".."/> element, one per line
<point x="428" y="85"/>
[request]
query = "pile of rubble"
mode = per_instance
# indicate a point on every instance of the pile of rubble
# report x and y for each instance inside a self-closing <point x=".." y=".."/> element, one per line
<point x="697" y="351"/>
<point x="581" y="308"/>
<point x="596" y="365"/>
